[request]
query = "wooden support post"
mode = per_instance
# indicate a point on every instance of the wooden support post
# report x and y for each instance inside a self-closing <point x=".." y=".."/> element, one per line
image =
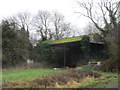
<point x="64" y="56"/>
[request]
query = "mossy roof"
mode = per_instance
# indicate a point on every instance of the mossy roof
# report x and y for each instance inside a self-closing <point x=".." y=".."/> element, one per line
<point x="71" y="39"/>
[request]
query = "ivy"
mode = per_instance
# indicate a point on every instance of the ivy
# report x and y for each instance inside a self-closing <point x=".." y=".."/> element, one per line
<point x="85" y="45"/>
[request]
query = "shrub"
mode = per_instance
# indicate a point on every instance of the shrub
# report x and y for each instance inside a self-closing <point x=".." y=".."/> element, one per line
<point x="84" y="69"/>
<point x="110" y="65"/>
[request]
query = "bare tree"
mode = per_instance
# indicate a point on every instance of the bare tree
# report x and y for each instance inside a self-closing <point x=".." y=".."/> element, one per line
<point x="23" y="20"/>
<point x="61" y="28"/>
<point x="34" y="41"/>
<point x="90" y="28"/>
<point x="107" y="13"/>
<point x="42" y="24"/>
<point x="51" y="25"/>
<point x="107" y="10"/>
<point x="108" y="17"/>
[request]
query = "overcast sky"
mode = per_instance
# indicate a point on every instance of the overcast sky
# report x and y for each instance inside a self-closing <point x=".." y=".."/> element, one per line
<point x="66" y="7"/>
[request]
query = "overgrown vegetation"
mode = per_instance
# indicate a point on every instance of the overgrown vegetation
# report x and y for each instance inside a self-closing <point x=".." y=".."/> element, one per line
<point x="65" y="79"/>
<point x="84" y="69"/>
<point x="104" y="81"/>
<point x="16" y="45"/>
<point x="51" y="55"/>
<point x="27" y="74"/>
<point x="85" y="42"/>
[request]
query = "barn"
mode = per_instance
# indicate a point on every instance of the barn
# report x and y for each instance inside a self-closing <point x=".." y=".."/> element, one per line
<point x="80" y="49"/>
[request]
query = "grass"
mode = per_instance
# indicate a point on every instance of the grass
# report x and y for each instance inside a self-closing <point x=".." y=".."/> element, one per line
<point x="105" y="80"/>
<point x="27" y="74"/>
<point x="98" y="83"/>
<point x="101" y="82"/>
<point x="114" y="77"/>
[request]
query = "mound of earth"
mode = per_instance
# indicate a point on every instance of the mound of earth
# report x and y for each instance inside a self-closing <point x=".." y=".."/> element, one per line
<point x="51" y="80"/>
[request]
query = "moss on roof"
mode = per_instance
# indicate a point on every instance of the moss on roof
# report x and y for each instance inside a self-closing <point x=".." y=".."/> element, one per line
<point x="72" y="39"/>
<point x="65" y="40"/>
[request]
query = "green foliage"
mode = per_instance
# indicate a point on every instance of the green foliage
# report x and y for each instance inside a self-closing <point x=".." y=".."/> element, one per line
<point x="44" y="53"/>
<point x="27" y="74"/>
<point x="85" y="46"/>
<point x="113" y="42"/>
<point x="43" y="50"/>
<point x="110" y="65"/>
<point x="8" y="35"/>
<point x="15" y="45"/>
<point x="100" y="82"/>
<point x="84" y="69"/>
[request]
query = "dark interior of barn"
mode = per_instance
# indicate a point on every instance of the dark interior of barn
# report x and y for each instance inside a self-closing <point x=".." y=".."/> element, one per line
<point x="72" y="54"/>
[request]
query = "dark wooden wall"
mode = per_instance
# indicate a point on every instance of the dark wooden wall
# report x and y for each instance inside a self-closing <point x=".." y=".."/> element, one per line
<point x="75" y="55"/>
<point x="72" y="54"/>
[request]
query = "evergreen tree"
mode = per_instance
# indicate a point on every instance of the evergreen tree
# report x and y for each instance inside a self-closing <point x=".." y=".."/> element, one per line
<point x="16" y="45"/>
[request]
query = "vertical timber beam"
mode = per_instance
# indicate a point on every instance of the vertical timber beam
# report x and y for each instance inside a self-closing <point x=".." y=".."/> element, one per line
<point x="64" y="56"/>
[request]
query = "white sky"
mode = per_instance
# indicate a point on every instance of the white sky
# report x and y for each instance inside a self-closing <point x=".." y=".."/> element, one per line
<point x="66" y="7"/>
